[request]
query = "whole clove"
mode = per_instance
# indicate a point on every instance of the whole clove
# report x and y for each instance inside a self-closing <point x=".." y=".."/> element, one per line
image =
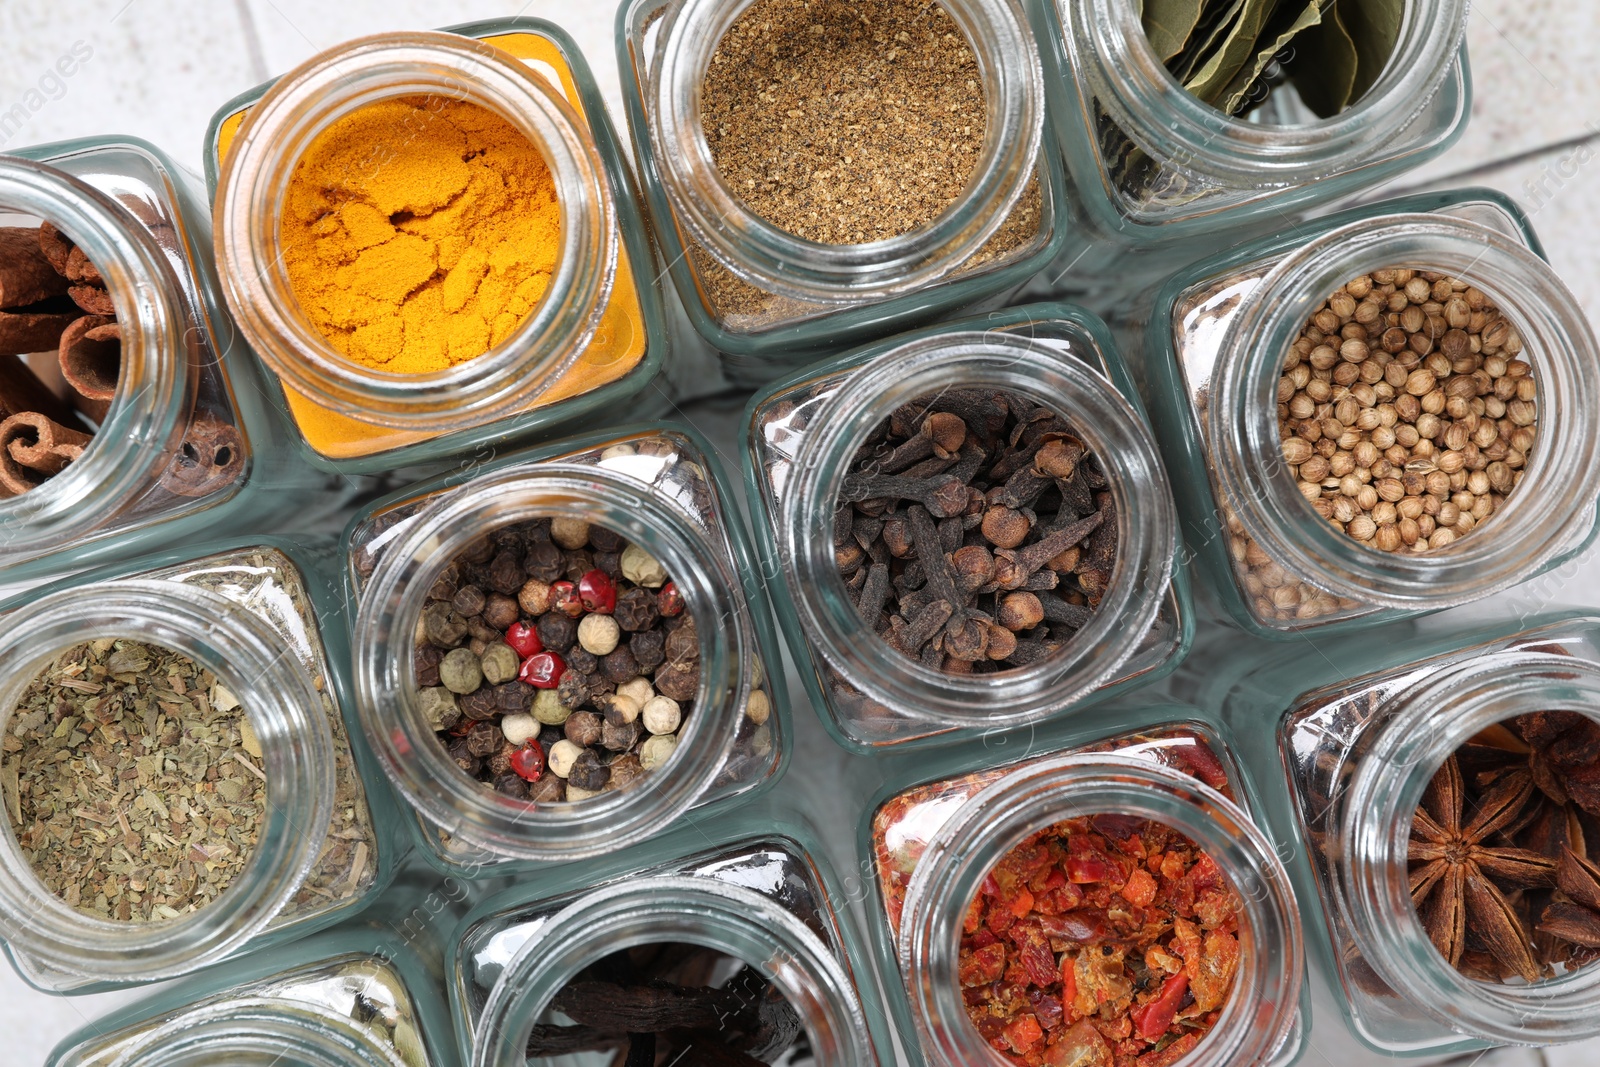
<point x="975" y="532"/>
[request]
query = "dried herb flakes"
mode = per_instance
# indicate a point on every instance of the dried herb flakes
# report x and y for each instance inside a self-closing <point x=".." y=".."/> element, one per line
<point x="128" y="783"/>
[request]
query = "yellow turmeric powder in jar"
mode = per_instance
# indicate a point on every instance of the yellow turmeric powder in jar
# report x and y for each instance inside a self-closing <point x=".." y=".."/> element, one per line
<point x="419" y="232"/>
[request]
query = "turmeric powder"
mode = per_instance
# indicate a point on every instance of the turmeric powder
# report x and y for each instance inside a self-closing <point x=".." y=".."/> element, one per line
<point x="419" y="232"/>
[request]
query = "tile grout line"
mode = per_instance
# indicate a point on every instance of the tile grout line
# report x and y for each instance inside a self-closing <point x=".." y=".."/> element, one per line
<point x="252" y="41"/>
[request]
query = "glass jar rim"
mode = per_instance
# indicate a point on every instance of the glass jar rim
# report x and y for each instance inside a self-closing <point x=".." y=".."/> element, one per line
<point x="1538" y="521"/>
<point x="1113" y="431"/>
<point x="285" y="714"/>
<point x="729" y="918"/>
<point x="1428" y="723"/>
<point x="260" y="1032"/>
<point x="1105" y="40"/>
<point x="1035" y="796"/>
<point x="406" y="745"/>
<point x="253" y="188"/>
<point x="146" y="416"/>
<point x="780" y="262"/>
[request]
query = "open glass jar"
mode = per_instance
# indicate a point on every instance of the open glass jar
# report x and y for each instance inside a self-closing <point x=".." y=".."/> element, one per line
<point x="154" y="437"/>
<point x="753" y="889"/>
<point x="769" y="299"/>
<point x="1220" y="339"/>
<point x="807" y="447"/>
<point x="1369" y="763"/>
<point x="219" y="755"/>
<point x="594" y="338"/>
<point x="672" y="560"/>
<point x="1151" y="163"/>
<point x="364" y="994"/>
<point x="964" y="892"/>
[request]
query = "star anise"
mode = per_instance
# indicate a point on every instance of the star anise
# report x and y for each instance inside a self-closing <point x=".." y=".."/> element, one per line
<point x="1457" y="875"/>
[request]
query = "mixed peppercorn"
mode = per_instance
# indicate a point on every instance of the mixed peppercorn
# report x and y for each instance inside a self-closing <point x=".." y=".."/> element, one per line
<point x="556" y="661"/>
<point x="1109" y="941"/>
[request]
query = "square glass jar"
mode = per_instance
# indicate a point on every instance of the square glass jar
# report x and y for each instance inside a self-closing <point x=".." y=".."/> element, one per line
<point x="763" y="332"/>
<point x="601" y="346"/>
<point x="186" y="444"/>
<point x="1206" y="372"/>
<point x="270" y="614"/>
<point x="1060" y="356"/>
<point x="1356" y="749"/>
<point x="755" y="885"/>
<point x="929" y="837"/>
<point x="659" y="487"/>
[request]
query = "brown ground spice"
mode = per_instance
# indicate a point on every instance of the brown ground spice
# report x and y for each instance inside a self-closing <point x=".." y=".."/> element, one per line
<point x="843" y="122"/>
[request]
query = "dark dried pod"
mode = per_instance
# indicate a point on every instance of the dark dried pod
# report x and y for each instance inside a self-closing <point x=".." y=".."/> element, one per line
<point x="649" y="649"/>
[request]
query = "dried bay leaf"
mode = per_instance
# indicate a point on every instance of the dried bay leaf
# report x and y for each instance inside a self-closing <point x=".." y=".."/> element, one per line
<point x="1374" y="27"/>
<point x="1168" y="24"/>
<point x="1208" y="84"/>
<point x="1324" y="66"/>
<point x="1219" y="18"/>
<point x="1307" y="14"/>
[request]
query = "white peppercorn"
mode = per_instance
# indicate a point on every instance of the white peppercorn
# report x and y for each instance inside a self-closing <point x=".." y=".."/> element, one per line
<point x="599" y="634"/>
<point x="562" y="755"/>
<point x="519" y="729"/>
<point x="641" y="568"/>
<point x="661" y="715"/>
<point x="759" y="709"/>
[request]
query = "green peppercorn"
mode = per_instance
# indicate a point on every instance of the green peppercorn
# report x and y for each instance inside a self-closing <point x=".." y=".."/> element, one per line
<point x="460" y="671"/>
<point x="439" y="706"/>
<point x="500" y="663"/>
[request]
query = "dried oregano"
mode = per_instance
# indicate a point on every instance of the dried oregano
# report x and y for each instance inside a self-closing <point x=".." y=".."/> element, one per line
<point x="128" y="783"/>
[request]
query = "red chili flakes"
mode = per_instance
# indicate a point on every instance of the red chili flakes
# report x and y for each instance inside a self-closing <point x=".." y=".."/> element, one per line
<point x="1101" y="942"/>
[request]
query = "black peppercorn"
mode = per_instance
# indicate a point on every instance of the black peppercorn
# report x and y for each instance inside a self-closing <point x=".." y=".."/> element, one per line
<point x="573" y="691"/>
<point x="505" y="573"/>
<point x="619" y="736"/>
<point x="604" y="540"/>
<point x="485" y="739"/>
<point x="680" y="685"/>
<point x="481" y="703"/>
<point x="513" y="697"/>
<point x="511" y="785"/>
<point x="500" y="762"/>
<point x="550" y="735"/>
<point x="578" y="563"/>
<point x="683" y="646"/>
<point x="479" y="551"/>
<point x="558" y="632"/>
<point x="636" y="609"/>
<point x="426" y="661"/>
<point x="444" y="587"/>
<point x="620" y="666"/>
<point x="649" y="649"/>
<point x="544" y="561"/>
<point x="588" y="772"/>
<point x="443" y="625"/>
<point x="500" y="612"/>
<point x="551" y="789"/>
<point x="582" y="660"/>
<point x="609" y="563"/>
<point x="464" y="759"/>
<point x="469" y="600"/>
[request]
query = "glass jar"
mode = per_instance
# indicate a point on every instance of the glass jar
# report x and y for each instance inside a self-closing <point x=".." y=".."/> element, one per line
<point x="1213" y="355"/>
<point x="1114" y="103"/>
<point x="184" y="444"/>
<point x="785" y="301"/>
<point x="754" y="886"/>
<point x="1358" y="749"/>
<point x="595" y="339"/>
<point x="657" y="487"/>
<point x="367" y="993"/>
<point x="931" y="837"/>
<point x="325" y="847"/>
<point x="804" y="434"/>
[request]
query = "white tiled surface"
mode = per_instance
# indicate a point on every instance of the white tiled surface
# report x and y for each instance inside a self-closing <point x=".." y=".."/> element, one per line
<point x="157" y="69"/>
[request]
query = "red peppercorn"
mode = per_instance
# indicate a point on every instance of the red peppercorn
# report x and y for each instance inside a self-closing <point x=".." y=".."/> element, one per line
<point x="669" y="601"/>
<point x="564" y="598"/>
<point x="527" y="762"/>
<point x="543" y="670"/>
<point x="524" y="639"/>
<point x="598" y="592"/>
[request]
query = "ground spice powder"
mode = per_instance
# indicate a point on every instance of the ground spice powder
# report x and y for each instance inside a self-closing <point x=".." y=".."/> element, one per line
<point x="845" y="122"/>
<point x="419" y="232"/>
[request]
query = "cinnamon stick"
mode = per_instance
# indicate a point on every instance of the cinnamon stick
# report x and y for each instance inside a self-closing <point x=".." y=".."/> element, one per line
<point x="26" y="276"/>
<point x="34" y="447"/>
<point x="92" y="299"/>
<point x="80" y="270"/>
<point x="56" y="246"/>
<point x="91" y="356"/>
<point x="211" y="456"/>
<point x="34" y="329"/>
<point x="21" y="390"/>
